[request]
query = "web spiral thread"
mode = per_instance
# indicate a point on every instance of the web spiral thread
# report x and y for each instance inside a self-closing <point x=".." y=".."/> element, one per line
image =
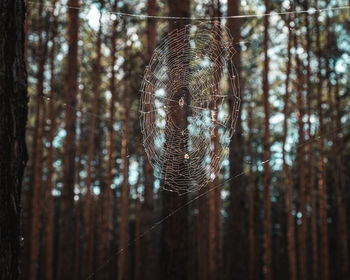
<point x="189" y="105"/>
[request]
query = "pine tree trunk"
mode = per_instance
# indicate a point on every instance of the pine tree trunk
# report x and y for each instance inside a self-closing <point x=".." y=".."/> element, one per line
<point x="123" y="256"/>
<point x="79" y="203"/>
<point x="292" y="265"/>
<point x="36" y="192"/>
<point x="88" y="209"/>
<point x="138" y="271"/>
<point x="266" y="154"/>
<point x="341" y="193"/>
<point x="237" y="257"/>
<point x="324" y="275"/>
<point x="310" y="167"/>
<point x="105" y="243"/>
<point x="174" y="264"/>
<point x="13" y="118"/>
<point x="302" y="227"/>
<point x="214" y="195"/>
<point x="252" y="208"/>
<point x="66" y="242"/>
<point x="147" y="244"/>
<point x="49" y="219"/>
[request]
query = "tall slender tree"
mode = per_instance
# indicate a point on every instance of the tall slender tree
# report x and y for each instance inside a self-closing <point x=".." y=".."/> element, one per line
<point x="292" y="265"/>
<point x="341" y="193"/>
<point x="123" y="258"/>
<point x="36" y="176"/>
<point x="252" y="207"/>
<point x="88" y="217"/>
<point x="13" y="118"/>
<point x="302" y="226"/>
<point x="237" y="256"/>
<point x="105" y="238"/>
<point x="49" y="218"/>
<point x="310" y="154"/>
<point x="66" y="242"/>
<point x="148" y="261"/>
<point x="266" y="152"/>
<point x="324" y="250"/>
<point x="174" y="237"/>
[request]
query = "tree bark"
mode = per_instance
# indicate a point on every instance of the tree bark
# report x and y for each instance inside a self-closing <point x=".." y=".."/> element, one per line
<point x="237" y="257"/>
<point x="88" y="209"/>
<point x="66" y="242"/>
<point x="310" y="146"/>
<point x="36" y="176"/>
<point x="174" y="264"/>
<point x="49" y="219"/>
<point x="341" y="193"/>
<point x="266" y="154"/>
<point x="292" y="265"/>
<point x="214" y="195"/>
<point x="324" y="275"/>
<point x="302" y="227"/>
<point x="253" y="271"/>
<point x="13" y="118"/>
<point x="105" y="243"/>
<point x="123" y="257"/>
<point x="147" y="243"/>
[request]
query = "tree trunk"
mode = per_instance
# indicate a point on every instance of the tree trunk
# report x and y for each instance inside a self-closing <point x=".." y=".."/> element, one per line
<point x="79" y="203"/>
<point x="310" y="167"/>
<point x="341" y="194"/>
<point x="286" y="170"/>
<point x="49" y="219"/>
<point x="214" y="194"/>
<point x="88" y="214"/>
<point x="302" y="227"/>
<point x="13" y="118"/>
<point x="253" y="271"/>
<point x="123" y="256"/>
<point x="138" y="271"/>
<point x="266" y="154"/>
<point x="36" y="192"/>
<point x="105" y="243"/>
<point x="237" y="257"/>
<point x="66" y="242"/>
<point x="174" y="264"/>
<point x="321" y="165"/>
<point x="147" y="244"/>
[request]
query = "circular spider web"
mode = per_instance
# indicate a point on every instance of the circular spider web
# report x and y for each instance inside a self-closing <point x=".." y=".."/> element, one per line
<point x="189" y="105"/>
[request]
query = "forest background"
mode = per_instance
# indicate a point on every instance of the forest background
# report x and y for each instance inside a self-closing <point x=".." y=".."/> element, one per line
<point x="91" y="205"/>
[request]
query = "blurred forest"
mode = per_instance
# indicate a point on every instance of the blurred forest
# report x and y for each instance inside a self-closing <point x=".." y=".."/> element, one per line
<point x="91" y="205"/>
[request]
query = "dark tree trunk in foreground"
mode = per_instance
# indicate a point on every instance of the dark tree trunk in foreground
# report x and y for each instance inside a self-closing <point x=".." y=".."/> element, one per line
<point x="66" y="240"/>
<point x="174" y="264"/>
<point x="13" y="118"/>
<point x="147" y="213"/>
<point x="237" y="257"/>
<point x="266" y="153"/>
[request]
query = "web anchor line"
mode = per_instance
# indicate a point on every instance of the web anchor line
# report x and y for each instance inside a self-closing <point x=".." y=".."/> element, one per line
<point x="310" y="11"/>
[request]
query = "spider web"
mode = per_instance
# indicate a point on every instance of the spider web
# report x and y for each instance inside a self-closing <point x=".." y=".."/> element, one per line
<point x="186" y="118"/>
